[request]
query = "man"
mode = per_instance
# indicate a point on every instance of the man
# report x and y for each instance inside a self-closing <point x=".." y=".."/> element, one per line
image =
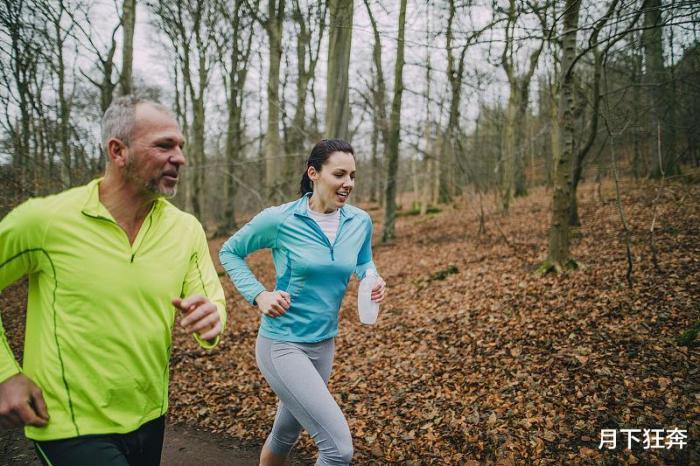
<point x="109" y="265"/>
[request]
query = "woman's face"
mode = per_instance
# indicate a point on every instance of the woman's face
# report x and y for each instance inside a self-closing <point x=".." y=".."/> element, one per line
<point x="333" y="184"/>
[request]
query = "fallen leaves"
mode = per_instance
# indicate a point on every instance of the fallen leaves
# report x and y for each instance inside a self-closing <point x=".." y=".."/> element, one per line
<point x="489" y="364"/>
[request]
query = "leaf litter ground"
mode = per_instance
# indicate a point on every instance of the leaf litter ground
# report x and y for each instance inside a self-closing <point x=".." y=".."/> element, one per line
<point x="476" y="359"/>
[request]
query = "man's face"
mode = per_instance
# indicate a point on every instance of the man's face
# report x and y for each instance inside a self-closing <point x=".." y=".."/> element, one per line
<point x="155" y="152"/>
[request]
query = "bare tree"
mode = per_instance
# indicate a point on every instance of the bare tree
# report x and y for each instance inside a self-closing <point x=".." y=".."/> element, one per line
<point x="598" y="60"/>
<point x="23" y="56"/>
<point x="235" y="73"/>
<point x="308" y="45"/>
<point x="274" y="25"/>
<point x="662" y="115"/>
<point x="57" y="14"/>
<point x="513" y="174"/>
<point x="394" y="132"/>
<point x="558" y="255"/>
<point x="104" y="56"/>
<point x="380" y="121"/>
<point x="129" y="22"/>
<point x="190" y="27"/>
<point x="337" y="83"/>
<point x="448" y="155"/>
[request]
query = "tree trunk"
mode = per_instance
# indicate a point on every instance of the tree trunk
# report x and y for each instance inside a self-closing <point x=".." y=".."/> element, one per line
<point x="664" y="162"/>
<point x="187" y="26"/>
<point x="394" y="133"/>
<point x="21" y="64"/>
<point x="197" y="155"/>
<point x="513" y="180"/>
<point x="237" y="75"/>
<point x="64" y="106"/>
<point x="273" y="148"/>
<point x="638" y="160"/>
<point x="305" y="47"/>
<point x="455" y="69"/>
<point x="129" y="21"/>
<point x="374" y="188"/>
<point x="379" y="111"/>
<point x="520" y="188"/>
<point x="423" y="195"/>
<point x="558" y="254"/>
<point x="579" y="156"/>
<point x="337" y="84"/>
<point x="509" y="143"/>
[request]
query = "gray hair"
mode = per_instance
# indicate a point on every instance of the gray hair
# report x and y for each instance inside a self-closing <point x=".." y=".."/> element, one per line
<point x="118" y="120"/>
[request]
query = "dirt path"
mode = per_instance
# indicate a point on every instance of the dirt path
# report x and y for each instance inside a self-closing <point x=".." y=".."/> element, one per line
<point x="183" y="447"/>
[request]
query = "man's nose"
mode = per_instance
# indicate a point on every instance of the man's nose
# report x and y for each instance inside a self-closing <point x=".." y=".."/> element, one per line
<point x="177" y="157"/>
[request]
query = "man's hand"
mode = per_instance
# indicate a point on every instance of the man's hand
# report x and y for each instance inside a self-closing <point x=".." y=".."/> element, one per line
<point x="201" y="316"/>
<point x="21" y="403"/>
<point x="273" y="303"/>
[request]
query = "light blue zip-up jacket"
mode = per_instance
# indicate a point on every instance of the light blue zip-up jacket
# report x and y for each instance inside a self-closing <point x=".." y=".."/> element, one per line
<point x="312" y="270"/>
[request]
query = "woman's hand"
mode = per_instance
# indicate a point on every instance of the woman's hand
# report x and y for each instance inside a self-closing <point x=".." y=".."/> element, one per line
<point x="273" y="303"/>
<point x="378" y="290"/>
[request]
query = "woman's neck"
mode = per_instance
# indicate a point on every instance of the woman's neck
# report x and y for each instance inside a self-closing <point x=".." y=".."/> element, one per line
<point x="317" y="205"/>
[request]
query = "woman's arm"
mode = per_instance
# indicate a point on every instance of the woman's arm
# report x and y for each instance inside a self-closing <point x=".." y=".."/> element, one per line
<point x="365" y="263"/>
<point x="364" y="257"/>
<point x="259" y="233"/>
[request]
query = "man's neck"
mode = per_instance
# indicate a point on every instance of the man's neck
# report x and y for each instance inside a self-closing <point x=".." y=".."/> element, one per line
<point x="128" y="206"/>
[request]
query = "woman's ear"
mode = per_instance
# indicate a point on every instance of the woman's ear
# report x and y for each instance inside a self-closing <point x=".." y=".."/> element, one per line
<point x="313" y="174"/>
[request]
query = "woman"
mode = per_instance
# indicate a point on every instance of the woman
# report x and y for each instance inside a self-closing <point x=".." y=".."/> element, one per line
<point x="317" y="242"/>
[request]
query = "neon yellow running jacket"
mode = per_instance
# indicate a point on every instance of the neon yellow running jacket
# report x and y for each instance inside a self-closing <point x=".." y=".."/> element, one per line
<point x="99" y="317"/>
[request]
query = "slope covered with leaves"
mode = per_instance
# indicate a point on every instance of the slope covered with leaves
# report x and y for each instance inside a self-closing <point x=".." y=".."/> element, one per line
<point x="476" y="359"/>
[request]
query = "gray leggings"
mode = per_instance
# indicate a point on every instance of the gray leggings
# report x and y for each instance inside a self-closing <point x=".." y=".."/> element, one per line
<point x="298" y="374"/>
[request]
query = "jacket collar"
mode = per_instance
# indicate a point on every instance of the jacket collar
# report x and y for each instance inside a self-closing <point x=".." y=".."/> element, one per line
<point x="302" y="208"/>
<point x="94" y="208"/>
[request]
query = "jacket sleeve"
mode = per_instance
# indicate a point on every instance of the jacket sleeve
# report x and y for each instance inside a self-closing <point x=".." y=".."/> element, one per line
<point x="364" y="258"/>
<point x="202" y="279"/>
<point x="259" y="233"/>
<point x="21" y="252"/>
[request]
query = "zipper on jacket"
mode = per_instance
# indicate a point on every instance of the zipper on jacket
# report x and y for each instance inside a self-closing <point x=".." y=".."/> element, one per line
<point x="307" y="218"/>
<point x="337" y="235"/>
<point x="150" y="223"/>
<point x="131" y="250"/>
<point x="313" y="224"/>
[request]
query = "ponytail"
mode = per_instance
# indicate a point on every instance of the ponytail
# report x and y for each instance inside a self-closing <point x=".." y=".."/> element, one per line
<point x="306" y="185"/>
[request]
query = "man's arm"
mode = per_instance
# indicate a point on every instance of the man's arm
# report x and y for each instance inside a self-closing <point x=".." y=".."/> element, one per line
<point x="202" y="299"/>
<point x="21" y="253"/>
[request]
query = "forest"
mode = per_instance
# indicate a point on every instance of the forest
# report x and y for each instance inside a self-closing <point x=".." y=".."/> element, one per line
<point x="531" y="167"/>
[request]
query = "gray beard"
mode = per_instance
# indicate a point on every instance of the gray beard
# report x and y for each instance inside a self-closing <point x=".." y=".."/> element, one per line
<point x="150" y="186"/>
